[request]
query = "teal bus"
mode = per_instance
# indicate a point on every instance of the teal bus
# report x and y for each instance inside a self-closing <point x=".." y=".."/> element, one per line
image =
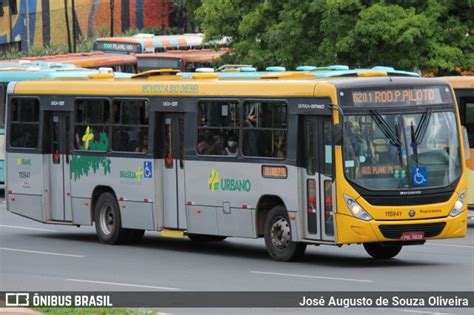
<point x="37" y="70"/>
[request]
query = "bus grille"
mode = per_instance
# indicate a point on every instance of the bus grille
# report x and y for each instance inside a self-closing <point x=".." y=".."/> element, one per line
<point x="396" y="231"/>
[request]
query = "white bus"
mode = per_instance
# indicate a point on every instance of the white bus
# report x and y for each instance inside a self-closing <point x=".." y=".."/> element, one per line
<point x="377" y="161"/>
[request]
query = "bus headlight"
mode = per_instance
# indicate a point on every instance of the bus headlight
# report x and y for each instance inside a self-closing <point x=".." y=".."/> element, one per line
<point x="458" y="205"/>
<point x="356" y="210"/>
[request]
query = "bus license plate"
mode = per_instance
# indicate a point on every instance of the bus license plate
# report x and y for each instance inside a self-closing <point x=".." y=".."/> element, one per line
<point x="413" y="236"/>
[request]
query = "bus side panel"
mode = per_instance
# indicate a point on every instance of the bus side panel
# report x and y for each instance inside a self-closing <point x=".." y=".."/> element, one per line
<point x="202" y="220"/>
<point x="133" y="188"/>
<point x="234" y="189"/>
<point x="81" y="213"/>
<point x="25" y="183"/>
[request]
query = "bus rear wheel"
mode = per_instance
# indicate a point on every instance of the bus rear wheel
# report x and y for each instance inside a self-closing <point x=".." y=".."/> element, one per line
<point x="108" y="223"/>
<point x="277" y="236"/>
<point x="201" y="238"/>
<point x="382" y="251"/>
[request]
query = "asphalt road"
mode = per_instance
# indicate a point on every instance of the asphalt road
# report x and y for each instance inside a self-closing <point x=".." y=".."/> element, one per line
<point x="36" y="256"/>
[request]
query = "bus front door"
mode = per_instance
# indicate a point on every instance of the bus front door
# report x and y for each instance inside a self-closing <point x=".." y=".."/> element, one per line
<point x="319" y="185"/>
<point x="58" y="124"/>
<point x="174" y="208"/>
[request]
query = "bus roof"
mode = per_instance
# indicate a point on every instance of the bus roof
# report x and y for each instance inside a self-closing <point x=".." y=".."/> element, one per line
<point x="94" y="59"/>
<point x="206" y="87"/>
<point x="193" y="55"/>
<point x="321" y="72"/>
<point x="460" y="82"/>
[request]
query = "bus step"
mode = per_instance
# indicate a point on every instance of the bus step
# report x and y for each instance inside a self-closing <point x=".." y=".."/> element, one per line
<point x="172" y="233"/>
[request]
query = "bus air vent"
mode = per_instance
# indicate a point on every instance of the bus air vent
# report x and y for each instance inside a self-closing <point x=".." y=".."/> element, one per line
<point x="288" y="76"/>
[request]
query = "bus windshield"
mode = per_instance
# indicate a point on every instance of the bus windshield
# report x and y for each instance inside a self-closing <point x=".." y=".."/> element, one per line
<point x="401" y="151"/>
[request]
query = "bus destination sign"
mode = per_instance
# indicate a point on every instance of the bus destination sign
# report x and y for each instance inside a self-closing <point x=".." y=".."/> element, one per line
<point x="118" y="47"/>
<point x="402" y="96"/>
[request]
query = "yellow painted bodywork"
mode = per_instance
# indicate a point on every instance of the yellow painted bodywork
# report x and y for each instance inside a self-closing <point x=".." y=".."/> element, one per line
<point x="466" y="83"/>
<point x="172" y="233"/>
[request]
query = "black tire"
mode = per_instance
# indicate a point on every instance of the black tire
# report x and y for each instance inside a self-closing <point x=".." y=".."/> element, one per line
<point x="277" y="235"/>
<point x="108" y="223"/>
<point x="201" y="238"/>
<point x="382" y="251"/>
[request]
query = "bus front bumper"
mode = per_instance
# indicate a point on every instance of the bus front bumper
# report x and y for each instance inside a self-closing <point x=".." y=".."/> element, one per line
<point x="352" y="230"/>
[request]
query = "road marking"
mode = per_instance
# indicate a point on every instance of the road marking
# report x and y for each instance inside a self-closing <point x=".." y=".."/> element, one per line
<point x="125" y="284"/>
<point x="452" y="245"/>
<point x="38" y="252"/>
<point x="26" y="228"/>
<point x="310" y="277"/>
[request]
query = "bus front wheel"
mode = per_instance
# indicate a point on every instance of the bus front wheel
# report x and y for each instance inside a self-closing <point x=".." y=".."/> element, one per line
<point x="382" y="251"/>
<point x="108" y="223"/>
<point x="277" y="235"/>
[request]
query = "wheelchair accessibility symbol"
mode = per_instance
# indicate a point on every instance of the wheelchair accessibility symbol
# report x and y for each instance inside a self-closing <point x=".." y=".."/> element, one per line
<point x="419" y="176"/>
<point x="147" y="169"/>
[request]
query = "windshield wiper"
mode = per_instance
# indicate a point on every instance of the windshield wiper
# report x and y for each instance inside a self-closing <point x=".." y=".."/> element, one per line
<point x="385" y="127"/>
<point x="418" y="134"/>
<point x="422" y="126"/>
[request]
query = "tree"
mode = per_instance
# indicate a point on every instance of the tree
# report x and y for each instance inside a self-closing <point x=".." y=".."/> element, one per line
<point x="433" y="36"/>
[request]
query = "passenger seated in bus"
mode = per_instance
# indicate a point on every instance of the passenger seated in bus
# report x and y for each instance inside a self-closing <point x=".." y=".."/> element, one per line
<point x="142" y="146"/>
<point x="280" y="146"/>
<point x="209" y="144"/>
<point x="231" y="148"/>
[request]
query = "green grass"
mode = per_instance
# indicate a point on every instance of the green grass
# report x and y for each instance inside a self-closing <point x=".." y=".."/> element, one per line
<point x="96" y="311"/>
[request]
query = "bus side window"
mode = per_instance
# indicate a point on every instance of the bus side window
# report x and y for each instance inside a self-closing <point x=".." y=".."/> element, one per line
<point x="469" y="122"/>
<point x="265" y="129"/>
<point x="218" y="128"/>
<point x="24" y="117"/>
<point x="130" y="126"/>
<point x="91" y="125"/>
<point x="2" y="105"/>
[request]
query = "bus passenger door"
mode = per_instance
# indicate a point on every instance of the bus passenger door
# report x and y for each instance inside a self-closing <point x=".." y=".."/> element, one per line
<point x="174" y="208"/>
<point x="319" y="186"/>
<point x="59" y="176"/>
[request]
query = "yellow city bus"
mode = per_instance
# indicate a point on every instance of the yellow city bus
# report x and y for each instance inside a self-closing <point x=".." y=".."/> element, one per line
<point x="377" y="161"/>
<point x="464" y="91"/>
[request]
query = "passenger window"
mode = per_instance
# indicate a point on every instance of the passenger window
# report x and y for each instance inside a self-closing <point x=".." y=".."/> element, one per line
<point x="265" y="129"/>
<point x="469" y="123"/>
<point x="130" y="126"/>
<point x="218" y="128"/>
<point x="91" y="129"/>
<point x="24" y="123"/>
<point x="2" y="106"/>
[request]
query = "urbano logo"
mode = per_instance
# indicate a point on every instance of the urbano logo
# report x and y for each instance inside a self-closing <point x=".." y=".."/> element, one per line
<point x="139" y="173"/>
<point x="216" y="182"/>
<point x="26" y="162"/>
